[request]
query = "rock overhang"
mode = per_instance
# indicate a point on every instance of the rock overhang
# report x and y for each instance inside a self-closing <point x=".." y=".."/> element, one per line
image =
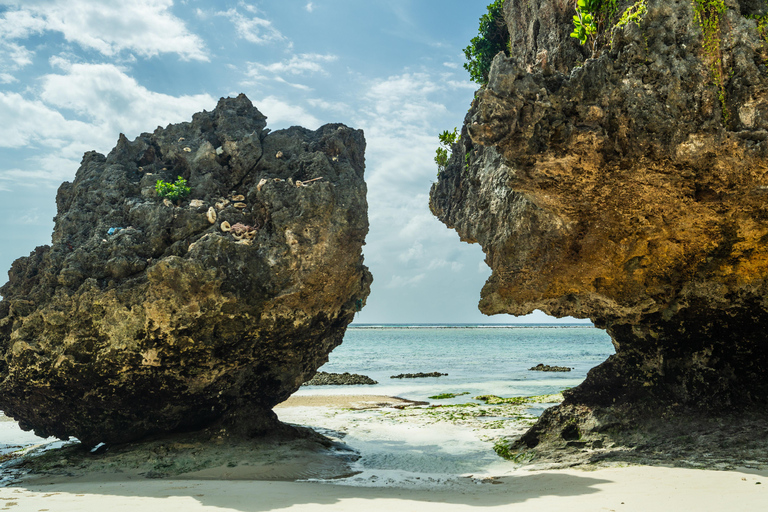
<point x="625" y="189"/>
<point x="144" y="316"/>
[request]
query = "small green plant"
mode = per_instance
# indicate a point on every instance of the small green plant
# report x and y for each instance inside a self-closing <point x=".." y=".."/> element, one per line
<point x="762" y="28"/>
<point x="593" y="20"/>
<point x="707" y="14"/>
<point x="493" y="38"/>
<point x="447" y="140"/>
<point x="585" y="20"/>
<point x="173" y="191"/>
<point x="633" y="14"/>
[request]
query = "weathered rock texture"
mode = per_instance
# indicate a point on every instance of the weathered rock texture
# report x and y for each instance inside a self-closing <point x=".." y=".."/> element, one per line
<point x="339" y="379"/>
<point x="619" y="189"/>
<point x="172" y="323"/>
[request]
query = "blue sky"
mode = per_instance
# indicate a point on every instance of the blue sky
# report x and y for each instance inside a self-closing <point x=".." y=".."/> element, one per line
<point x="74" y="74"/>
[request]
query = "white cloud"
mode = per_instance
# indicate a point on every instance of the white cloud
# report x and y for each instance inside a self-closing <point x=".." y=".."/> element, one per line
<point x="405" y="282"/>
<point x="296" y="66"/>
<point x="303" y="64"/>
<point x="309" y="7"/>
<point x="463" y="84"/>
<point x="12" y="58"/>
<point x="415" y="251"/>
<point x="402" y="104"/>
<point x="452" y="65"/>
<point x="252" y="28"/>
<point x="146" y="27"/>
<point x="109" y="98"/>
<point x="20" y="24"/>
<point x="83" y="109"/>
<point x="339" y="107"/>
<point x="301" y="87"/>
<point x="28" y="123"/>
<point x="282" y="115"/>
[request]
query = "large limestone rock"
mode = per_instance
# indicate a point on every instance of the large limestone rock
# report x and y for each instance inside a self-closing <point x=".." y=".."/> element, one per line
<point x="623" y="190"/>
<point x="172" y="322"/>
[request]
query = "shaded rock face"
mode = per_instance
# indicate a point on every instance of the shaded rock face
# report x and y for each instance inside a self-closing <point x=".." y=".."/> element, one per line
<point x="171" y="323"/>
<point x="623" y="191"/>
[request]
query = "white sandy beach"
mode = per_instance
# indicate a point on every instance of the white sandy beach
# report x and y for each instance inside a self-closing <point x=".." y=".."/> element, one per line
<point x="614" y="489"/>
<point x="406" y="464"/>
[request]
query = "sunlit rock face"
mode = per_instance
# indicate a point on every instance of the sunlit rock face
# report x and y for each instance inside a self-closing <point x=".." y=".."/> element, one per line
<point x="622" y="189"/>
<point x="148" y="315"/>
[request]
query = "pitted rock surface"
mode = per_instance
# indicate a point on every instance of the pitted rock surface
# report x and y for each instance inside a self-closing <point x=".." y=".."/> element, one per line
<point x="619" y="189"/>
<point x="170" y="322"/>
<point x="339" y="379"/>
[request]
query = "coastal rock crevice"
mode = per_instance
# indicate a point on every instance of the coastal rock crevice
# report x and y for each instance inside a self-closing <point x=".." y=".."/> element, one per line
<point x="630" y="189"/>
<point x="147" y="316"/>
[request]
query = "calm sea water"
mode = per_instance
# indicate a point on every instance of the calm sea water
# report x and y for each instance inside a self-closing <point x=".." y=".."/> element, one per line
<point x="478" y="359"/>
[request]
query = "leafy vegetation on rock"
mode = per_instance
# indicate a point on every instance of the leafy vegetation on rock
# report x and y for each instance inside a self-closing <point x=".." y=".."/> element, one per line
<point x="173" y="191"/>
<point x="447" y="140"/>
<point x="707" y="15"/>
<point x="493" y="38"/>
<point x="594" y="20"/>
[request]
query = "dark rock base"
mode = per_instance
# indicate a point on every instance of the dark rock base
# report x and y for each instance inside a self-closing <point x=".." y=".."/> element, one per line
<point x="569" y="435"/>
<point x="419" y="375"/>
<point x="288" y="452"/>
<point x="547" y="368"/>
<point x="339" y="379"/>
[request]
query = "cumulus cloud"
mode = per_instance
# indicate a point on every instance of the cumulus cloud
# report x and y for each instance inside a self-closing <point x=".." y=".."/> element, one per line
<point x="107" y="96"/>
<point x="398" y="281"/>
<point x="12" y="58"/>
<point x="281" y="114"/>
<point x="413" y="252"/>
<point x="30" y="122"/>
<point x="82" y="109"/>
<point x="146" y="27"/>
<point x="302" y="64"/>
<point x="338" y="107"/>
<point x="252" y="28"/>
<point x="461" y="84"/>
<point x="20" y="24"/>
<point x="401" y="116"/>
<point x="403" y="104"/>
<point x="310" y="7"/>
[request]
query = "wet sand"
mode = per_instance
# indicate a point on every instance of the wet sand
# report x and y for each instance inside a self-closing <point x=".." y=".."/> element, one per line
<point x="261" y="478"/>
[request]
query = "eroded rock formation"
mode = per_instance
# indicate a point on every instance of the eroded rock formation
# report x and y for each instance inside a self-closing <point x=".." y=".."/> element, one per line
<point x="339" y="379"/>
<point x="632" y="190"/>
<point x="145" y="316"/>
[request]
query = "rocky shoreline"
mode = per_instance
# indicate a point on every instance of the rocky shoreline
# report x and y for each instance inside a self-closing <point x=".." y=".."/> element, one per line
<point x="547" y="368"/>
<point x="418" y="375"/>
<point x="339" y="379"/>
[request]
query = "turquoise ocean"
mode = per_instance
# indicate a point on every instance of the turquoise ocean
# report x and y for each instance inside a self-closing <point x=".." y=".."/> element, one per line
<point x="479" y="359"/>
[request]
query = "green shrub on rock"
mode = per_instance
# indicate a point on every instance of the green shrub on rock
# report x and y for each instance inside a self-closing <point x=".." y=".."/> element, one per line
<point x="492" y="39"/>
<point x="173" y="191"/>
<point x="447" y="140"/>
